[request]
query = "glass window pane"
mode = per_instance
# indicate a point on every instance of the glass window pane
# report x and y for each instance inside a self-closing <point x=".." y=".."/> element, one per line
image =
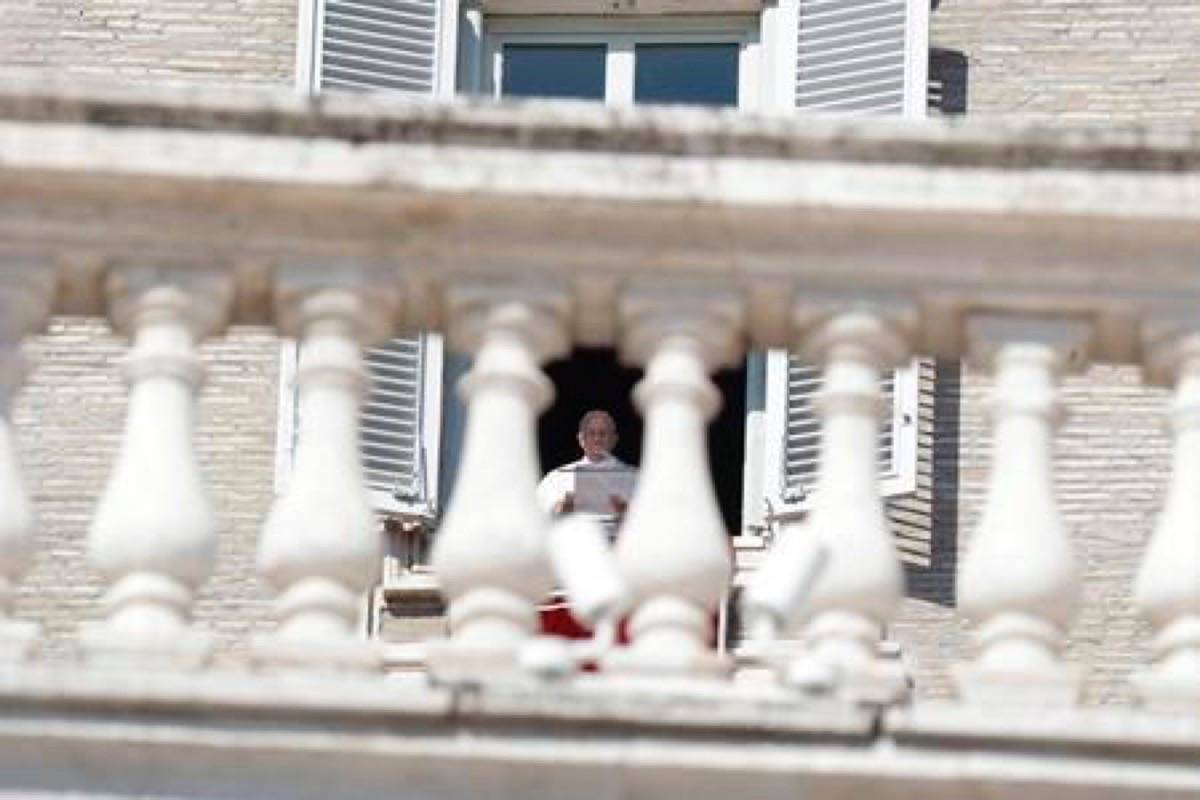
<point x="540" y="70"/>
<point x="701" y="74"/>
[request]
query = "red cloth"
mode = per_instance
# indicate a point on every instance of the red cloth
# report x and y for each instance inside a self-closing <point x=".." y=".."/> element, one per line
<point x="557" y="620"/>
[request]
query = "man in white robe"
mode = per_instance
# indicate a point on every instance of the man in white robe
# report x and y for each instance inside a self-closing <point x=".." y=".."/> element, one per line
<point x="598" y="483"/>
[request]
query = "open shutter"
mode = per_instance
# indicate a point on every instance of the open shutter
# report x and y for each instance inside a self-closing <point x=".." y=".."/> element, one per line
<point x="792" y="390"/>
<point x="399" y="425"/>
<point x="854" y="57"/>
<point x="863" y="56"/>
<point x="378" y="45"/>
<point x="382" y="45"/>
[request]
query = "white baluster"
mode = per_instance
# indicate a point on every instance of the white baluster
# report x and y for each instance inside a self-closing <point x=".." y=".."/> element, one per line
<point x="673" y="547"/>
<point x="1019" y="581"/>
<point x="24" y="302"/>
<point x="321" y="546"/>
<point x="1168" y="584"/>
<point x="154" y="535"/>
<point x="490" y="552"/>
<point x="862" y="584"/>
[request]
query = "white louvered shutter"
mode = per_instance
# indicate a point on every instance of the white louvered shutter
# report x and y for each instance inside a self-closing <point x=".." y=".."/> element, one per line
<point x="378" y="45"/>
<point x="800" y="450"/>
<point x="399" y="460"/>
<point x="391" y="45"/>
<point x="854" y="57"/>
<point x="792" y="449"/>
<point x="862" y="56"/>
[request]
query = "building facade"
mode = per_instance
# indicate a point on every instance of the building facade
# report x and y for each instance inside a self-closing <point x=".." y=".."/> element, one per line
<point x="1092" y="61"/>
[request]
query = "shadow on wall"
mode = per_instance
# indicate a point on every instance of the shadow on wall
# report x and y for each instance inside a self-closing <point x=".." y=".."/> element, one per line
<point x="933" y="579"/>
<point x="947" y="81"/>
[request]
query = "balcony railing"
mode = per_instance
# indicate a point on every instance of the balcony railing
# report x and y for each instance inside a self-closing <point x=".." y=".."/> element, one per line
<point x="680" y="238"/>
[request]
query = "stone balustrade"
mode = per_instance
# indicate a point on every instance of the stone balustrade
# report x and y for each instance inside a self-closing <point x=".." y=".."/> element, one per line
<point x="680" y="238"/>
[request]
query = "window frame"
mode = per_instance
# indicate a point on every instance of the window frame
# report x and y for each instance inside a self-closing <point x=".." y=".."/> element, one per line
<point x="621" y="36"/>
<point x="899" y="479"/>
<point x="916" y="59"/>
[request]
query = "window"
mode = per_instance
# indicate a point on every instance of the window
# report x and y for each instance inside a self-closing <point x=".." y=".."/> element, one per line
<point x="861" y="56"/>
<point x="573" y="71"/>
<point x="703" y="61"/>
<point x="701" y="74"/>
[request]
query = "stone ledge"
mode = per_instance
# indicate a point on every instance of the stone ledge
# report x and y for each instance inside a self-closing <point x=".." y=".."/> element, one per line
<point x="68" y="732"/>
<point x="946" y="221"/>
<point x="362" y="119"/>
<point x="1098" y="730"/>
<point x="680" y="706"/>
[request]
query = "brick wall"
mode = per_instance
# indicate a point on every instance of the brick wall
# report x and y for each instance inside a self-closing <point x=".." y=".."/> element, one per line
<point x="1112" y="468"/>
<point x="152" y="41"/>
<point x="1080" y="60"/>
<point x="70" y="414"/>
<point x="1108" y="61"/>
<point x="69" y="419"/>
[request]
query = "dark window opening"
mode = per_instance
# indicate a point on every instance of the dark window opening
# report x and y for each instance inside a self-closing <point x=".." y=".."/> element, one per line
<point x="594" y="378"/>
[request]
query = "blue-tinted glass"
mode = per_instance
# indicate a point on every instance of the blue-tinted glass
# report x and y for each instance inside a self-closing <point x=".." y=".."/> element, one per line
<point x="540" y="70"/>
<point x="702" y="74"/>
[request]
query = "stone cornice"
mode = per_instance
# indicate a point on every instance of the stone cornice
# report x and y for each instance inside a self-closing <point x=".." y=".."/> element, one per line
<point x="1009" y="143"/>
<point x="299" y="736"/>
<point x="946" y="218"/>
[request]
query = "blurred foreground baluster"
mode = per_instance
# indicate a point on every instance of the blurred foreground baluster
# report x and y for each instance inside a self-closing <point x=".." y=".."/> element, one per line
<point x="321" y="546"/>
<point x="1168" y="585"/>
<point x="861" y="586"/>
<point x="673" y="547"/>
<point x="154" y="533"/>
<point x="1019" y="581"/>
<point x="490" y="554"/>
<point x="24" y="302"/>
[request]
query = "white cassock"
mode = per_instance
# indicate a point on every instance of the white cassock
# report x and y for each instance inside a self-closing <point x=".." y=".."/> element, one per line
<point x="592" y="483"/>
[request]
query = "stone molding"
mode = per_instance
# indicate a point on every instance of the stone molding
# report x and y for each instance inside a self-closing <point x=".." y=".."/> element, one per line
<point x="219" y="733"/>
<point x="948" y="220"/>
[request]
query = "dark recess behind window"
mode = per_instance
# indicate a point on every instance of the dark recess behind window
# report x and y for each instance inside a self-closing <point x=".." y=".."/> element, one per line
<point x="699" y="74"/>
<point x="540" y="70"/>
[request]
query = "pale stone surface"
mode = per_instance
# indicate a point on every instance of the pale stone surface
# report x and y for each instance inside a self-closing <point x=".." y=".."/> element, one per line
<point x="857" y="593"/>
<point x="24" y="303"/>
<point x="1019" y="581"/>
<point x="228" y="733"/>
<point x="672" y="546"/>
<point x="1175" y="278"/>
<point x="1108" y="494"/>
<point x="1168" y="583"/>
<point x="68" y="422"/>
<point x="153" y="535"/>
<point x="321" y="544"/>
<point x="490" y="554"/>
